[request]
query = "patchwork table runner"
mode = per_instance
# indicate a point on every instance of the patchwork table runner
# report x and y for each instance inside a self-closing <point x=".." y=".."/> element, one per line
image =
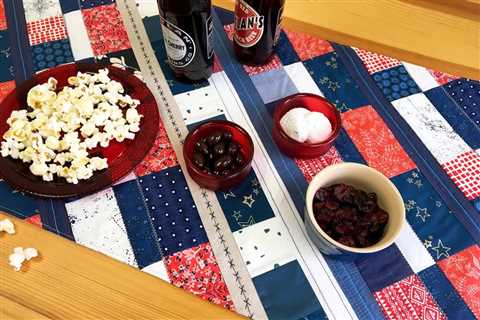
<point x="246" y="249"/>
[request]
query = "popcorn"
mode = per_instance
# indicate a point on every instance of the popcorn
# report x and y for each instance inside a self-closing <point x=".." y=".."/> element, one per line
<point x="20" y="255"/>
<point x="7" y="226"/>
<point x="55" y="136"/>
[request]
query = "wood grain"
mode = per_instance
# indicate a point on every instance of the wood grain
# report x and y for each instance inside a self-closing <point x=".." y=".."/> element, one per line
<point x="69" y="281"/>
<point x="442" y="35"/>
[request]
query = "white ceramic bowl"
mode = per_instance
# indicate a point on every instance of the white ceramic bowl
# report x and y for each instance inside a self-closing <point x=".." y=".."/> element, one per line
<point x="361" y="177"/>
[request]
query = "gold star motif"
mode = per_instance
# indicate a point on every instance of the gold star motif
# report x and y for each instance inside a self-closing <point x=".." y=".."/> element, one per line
<point x="228" y="194"/>
<point x="248" y="200"/>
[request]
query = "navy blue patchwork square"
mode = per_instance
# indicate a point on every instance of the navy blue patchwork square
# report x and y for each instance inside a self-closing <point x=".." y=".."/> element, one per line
<point x="333" y="79"/>
<point x="137" y="223"/>
<point x="174" y="214"/>
<point x="347" y="149"/>
<point x="153" y="28"/>
<point x="69" y="5"/>
<point x="444" y="294"/>
<point x="286" y="294"/>
<point x="436" y="226"/>
<point x="87" y="4"/>
<point x="16" y="202"/>
<point x="395" y="83"/>
<point x="285" y="51"/>
<point x="175" y="85"/>
<point x="50" y="54"/>
<point x="226" y="16"/>
<point x="246" y="204"/>
<point x="383" y="268"/>
<point x="467" y="94"/>
<point x="5" y="57"/>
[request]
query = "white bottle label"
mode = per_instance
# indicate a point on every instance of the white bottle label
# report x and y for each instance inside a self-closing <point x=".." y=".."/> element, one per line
<point x="179" y="45"/>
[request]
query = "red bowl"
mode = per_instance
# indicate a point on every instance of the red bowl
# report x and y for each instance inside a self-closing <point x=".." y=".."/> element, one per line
<point x="211" y="181"/>
<point x="312" y="102"/>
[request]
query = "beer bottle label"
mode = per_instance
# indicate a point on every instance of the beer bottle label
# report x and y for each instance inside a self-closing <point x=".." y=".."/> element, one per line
<point x="179" y="45"/>
<point x="209" y="36"/>
<point x="249" y="25"/>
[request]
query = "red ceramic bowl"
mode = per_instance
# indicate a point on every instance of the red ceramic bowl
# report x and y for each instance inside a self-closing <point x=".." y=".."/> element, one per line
<point x="311" y="102"/>
<point x="211" y="181"/>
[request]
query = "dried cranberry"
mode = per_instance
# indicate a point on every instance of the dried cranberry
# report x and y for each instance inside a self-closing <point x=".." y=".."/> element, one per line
<point x="347" y="240"/>
<point x="344" y="229"/>
<point x="321" y="194"/>
<point x="331" y="204"/>
<point x="344" y="193"/>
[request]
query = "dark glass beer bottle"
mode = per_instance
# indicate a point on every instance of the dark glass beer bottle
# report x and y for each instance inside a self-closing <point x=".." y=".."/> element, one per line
<point x="256" y="29"/>
<point x="187" y="32"/>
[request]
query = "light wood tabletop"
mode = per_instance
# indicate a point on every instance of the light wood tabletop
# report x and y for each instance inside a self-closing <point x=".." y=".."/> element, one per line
<point x="69" y="281"/>
<point x="72" y="282"/>
<point x="442" y="35"/>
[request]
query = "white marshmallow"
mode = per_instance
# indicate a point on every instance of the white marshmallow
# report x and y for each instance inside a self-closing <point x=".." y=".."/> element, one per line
<point x="293" y="123"/>
<point x="319" y="126"/>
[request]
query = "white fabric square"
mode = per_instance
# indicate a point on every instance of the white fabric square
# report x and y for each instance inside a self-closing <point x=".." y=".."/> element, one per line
<point x="265" y="246"/>
<point x="200" y="104"/>
<point x="422" y="77"/>
<point x="157" y="269"/>
<point x="413" y="249"/>
<point x="77" y="33"/>
<point x="302" y="80"/>
<point x="147" y="8"/>
<point x="98" y="224"/>
<point x="41" y="9"/>
<point x="429" y="125"/>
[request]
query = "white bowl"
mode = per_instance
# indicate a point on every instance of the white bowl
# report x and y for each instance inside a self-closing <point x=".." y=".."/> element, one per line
<point x="361" y="177"/>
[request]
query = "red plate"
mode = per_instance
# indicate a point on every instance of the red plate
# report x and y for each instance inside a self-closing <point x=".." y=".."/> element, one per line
<point x="122" y="157"/>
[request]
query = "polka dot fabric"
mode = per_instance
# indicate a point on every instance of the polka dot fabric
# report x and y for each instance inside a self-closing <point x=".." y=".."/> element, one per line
<point x="467" y="94"/>
<point x="395" y="83"/>
<point x="173" y="212"/>
<point x="51" y="54"/>
<point x="375" y="62"/>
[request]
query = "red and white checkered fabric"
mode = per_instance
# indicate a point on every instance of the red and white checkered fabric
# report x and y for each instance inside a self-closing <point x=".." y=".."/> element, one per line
<point x="375" y="62"/>
<point x="49" y="29"/>
<point x="464" y="170"/>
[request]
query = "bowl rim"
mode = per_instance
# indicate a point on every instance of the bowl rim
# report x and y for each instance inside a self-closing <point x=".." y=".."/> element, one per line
<point x="371" y="249"/>
<point x="197" y="171"/>
<point x="277" y="118"/>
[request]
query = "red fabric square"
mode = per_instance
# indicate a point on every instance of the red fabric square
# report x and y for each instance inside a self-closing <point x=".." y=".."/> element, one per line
<point x="375" y="141"/>
<point x="105" y="29"/>
<point x="36" y="220"/>
<point x="273" y="63"/>
<point x="408" y="299"/>
<point x="49" y="29"/>
<point x="442" y="77"/>
<point x="6" y="88"/>
<point x="463" y="271"/>
<point x="464" y="171"/>
<point x="3" y="19"/>
<point x="307" y="46"/>
<point x="196" y="270"/>
<point x="161" y="155"/>
<point x="375" y="62"/>
<point x="310" y="167"/>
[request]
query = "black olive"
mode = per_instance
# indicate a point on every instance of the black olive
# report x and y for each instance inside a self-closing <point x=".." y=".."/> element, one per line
<point x="222" y="163"/>
<point x="214" y="138"/>
<point x="227" y="136"/>
<point x="199" y="159"/>
<point x="202" y="147"/>
<point x="239" y="159"/>
<point x="233" y="148"/>
<point x="219" y="149"/>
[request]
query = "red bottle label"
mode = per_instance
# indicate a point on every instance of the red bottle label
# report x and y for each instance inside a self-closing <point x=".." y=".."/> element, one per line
<point x="249" y="25"/>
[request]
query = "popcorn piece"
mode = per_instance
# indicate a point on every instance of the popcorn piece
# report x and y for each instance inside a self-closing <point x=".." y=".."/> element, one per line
<point x="133" y="116"/>
<point x="7" y="226"/>
<point x="20" y="255"/>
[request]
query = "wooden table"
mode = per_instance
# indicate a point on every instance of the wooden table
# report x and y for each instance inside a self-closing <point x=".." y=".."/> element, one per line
<point x="70" y="281"/>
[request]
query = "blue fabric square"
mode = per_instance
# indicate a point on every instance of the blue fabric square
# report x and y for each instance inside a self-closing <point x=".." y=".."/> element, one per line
<point x="137" y="223"/>
<point x="316" y="315"/>
<point x="153" y="28"/>
<point x="436" y="226"/>
<point x="467" y="94"/>
<point x="246" y="204"/>
<point x="175" y="85"/>
<point x="348" y="151"/>
<point x="69" y="5"/>
<point x="285" y="51"/>
<point x="174" y="214"/>
<point x="333" y="79"/>
<point x="286" y="294"/>
<point x="383" y="268"/>
<point x="192" y="126"/>
<point x="55" y="218"/>
<point x="455" y="115"/>
<point x="16" y="202"/>
<point x="50" y="54"/>
<point x="5" y="57"/>
<point x="273" y="85"/>
<point x="87" y="4"/>
<point x="444" y="294"/>
<point x="476" y="204"/>
<point x="395" y="83"/>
